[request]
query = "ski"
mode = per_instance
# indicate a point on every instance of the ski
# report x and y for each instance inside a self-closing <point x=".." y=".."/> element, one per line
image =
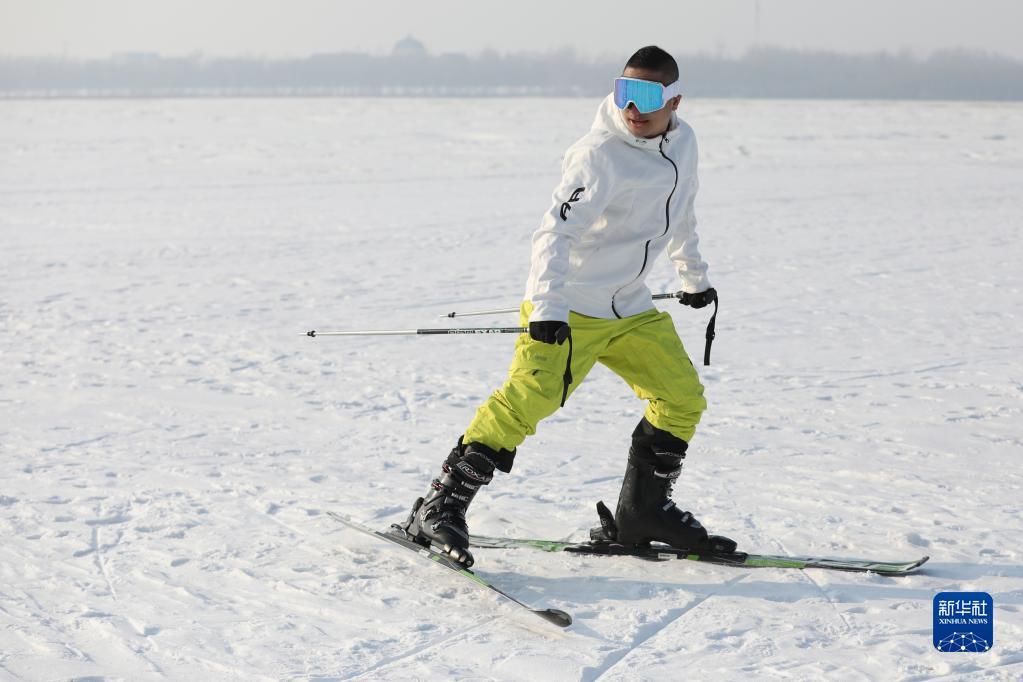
<point x="397" y="536"/>
<point x="659" y="552"/>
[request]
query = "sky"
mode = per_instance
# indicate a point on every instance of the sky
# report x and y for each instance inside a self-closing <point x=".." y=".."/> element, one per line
<point x="594" y="28"/>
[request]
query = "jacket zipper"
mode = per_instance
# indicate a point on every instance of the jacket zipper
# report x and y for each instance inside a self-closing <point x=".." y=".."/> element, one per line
<point x="667" y="226"/>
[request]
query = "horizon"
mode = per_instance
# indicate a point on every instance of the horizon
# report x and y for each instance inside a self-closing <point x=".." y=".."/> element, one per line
<point x="761" y="73"/>
<point x="566" y="52"/>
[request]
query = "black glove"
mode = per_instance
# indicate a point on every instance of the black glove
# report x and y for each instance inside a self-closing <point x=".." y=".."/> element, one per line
<point x="549" y="331"/>
<point x="704" y="298"/>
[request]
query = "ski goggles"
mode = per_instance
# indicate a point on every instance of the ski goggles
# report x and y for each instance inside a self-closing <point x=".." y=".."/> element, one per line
<point x="648" y="96"/>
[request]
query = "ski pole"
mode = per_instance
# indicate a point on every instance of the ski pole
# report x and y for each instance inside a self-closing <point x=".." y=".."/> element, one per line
<point x="502" y="311"/>
<point x="413" y="332"/>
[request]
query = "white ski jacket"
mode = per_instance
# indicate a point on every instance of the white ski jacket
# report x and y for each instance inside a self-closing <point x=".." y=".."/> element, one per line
<point x="622" y="200"/>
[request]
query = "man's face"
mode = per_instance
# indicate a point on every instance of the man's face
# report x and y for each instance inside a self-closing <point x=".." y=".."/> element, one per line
<point x="654" y="123"/>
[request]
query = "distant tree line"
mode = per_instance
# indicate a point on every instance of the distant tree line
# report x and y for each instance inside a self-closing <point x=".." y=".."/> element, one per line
<point x="765" y="72"/>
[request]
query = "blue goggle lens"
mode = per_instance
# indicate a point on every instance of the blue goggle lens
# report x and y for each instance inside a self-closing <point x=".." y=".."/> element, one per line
<point x="648" y="96"/>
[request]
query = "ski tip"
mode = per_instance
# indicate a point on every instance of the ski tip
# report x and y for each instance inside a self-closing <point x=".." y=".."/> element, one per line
<point x="556" y="616"/>
<point x="905" y="568"/>
<point x="918" y="563"/>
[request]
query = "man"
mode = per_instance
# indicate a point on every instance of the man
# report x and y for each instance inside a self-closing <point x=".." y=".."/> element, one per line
<point x="626" y="194"/>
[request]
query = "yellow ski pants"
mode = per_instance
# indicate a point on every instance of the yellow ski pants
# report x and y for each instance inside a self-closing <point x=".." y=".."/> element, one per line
<point x="643" y="349"/>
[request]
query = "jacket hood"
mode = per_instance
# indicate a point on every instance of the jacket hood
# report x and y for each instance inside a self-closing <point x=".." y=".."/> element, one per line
<point x="609" y="118"/>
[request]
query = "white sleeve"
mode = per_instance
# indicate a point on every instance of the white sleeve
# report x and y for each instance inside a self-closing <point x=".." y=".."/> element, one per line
<point x="578" y="201"/>
<point x="684" y="247"/>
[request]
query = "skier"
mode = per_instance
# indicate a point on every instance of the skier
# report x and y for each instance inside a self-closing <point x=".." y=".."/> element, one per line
<point x="626" y="194"/>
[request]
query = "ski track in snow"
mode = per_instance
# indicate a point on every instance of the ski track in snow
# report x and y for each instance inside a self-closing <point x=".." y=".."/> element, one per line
<point x="647" y="634"/>
<point x="171" y="438"/>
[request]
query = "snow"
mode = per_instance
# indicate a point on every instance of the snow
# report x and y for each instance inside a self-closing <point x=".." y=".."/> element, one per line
<point x="170" y="440"/>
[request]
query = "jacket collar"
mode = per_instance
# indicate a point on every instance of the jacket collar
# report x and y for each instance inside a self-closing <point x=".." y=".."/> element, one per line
<point x="609" y="118"/>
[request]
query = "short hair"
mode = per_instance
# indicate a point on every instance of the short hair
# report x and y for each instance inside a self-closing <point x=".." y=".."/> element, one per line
<point x="653" y="58"/>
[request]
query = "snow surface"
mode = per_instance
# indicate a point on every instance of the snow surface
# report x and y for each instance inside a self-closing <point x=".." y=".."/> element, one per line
<point x="170" y="440"/>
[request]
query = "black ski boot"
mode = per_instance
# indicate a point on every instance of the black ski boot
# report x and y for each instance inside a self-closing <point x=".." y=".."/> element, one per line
<point x="439" y="518"/>
<point x="645" y="510"/>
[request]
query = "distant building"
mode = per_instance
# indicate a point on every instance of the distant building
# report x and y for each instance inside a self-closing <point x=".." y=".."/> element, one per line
<point x="409" y="47"/>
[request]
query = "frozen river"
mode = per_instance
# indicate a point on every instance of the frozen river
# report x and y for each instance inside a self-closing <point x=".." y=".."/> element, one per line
<point x="169" y="440"/>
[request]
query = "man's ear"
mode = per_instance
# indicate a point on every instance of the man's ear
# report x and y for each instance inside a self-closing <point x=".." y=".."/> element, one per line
<point x="675" y="101"/>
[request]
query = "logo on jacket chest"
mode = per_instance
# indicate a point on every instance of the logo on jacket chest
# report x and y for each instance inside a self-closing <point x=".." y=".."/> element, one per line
<point x="567" y="206"/>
